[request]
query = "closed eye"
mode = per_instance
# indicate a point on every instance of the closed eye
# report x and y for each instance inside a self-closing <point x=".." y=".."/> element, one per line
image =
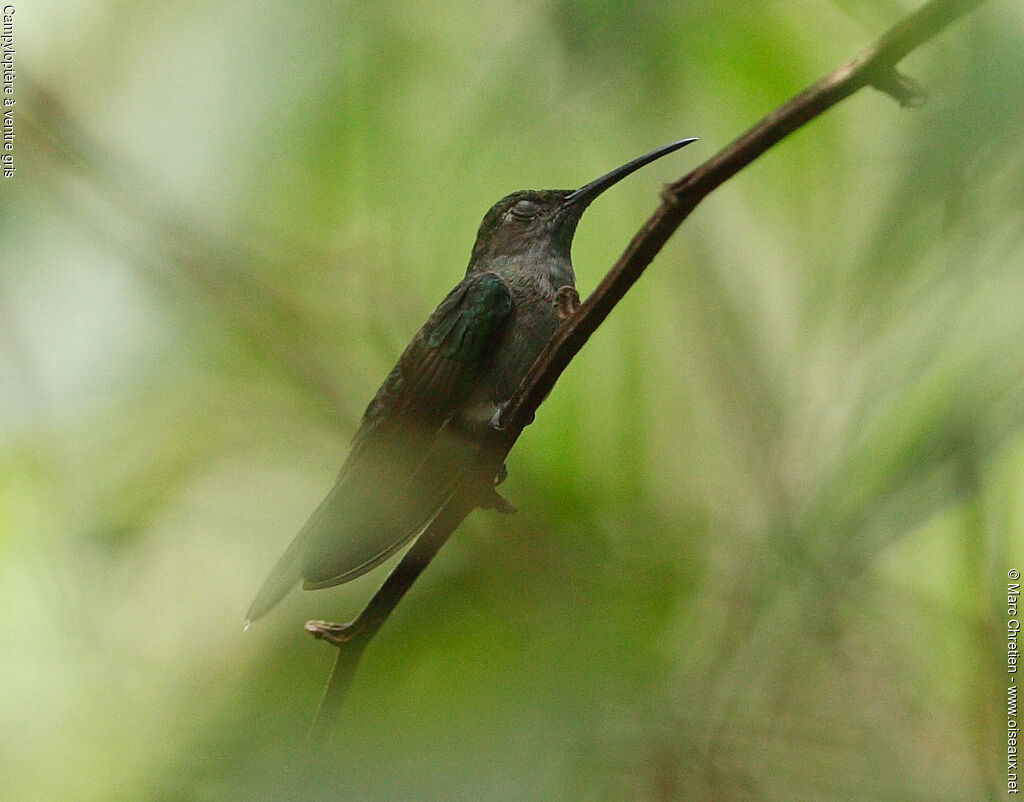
<point x="525" y="209"/>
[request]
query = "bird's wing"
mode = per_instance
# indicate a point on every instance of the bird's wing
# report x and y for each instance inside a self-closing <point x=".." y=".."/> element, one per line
<point x="439" y="366"/>
<point x="405" y="457"/>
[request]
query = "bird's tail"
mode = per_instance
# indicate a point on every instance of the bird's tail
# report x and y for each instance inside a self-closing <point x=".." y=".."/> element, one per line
<point x="285" y="575"/>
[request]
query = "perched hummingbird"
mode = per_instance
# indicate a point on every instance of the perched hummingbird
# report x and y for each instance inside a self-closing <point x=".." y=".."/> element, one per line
<point x="429" y="418"/>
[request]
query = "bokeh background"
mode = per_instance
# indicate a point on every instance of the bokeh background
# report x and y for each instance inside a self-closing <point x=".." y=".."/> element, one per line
<point x="766" y="516"/>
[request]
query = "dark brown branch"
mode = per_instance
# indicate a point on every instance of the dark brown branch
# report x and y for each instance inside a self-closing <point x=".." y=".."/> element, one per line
<point x="874" y="66"/>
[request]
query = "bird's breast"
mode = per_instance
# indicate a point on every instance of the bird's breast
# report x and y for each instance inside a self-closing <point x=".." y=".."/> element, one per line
<point x="533" y="322"/>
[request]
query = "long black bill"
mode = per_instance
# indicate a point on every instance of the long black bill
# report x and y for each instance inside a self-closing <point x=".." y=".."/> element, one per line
<point x="585" y="194"/>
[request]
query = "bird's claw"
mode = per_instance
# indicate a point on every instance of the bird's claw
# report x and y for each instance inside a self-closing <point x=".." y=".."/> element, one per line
<point x="496" y="417"/>
<point x="567" y="300"/>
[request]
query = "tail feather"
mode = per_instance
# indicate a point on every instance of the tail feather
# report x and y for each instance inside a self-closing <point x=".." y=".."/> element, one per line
<point x="392" y="485"/>
<point x="285" y="575"/>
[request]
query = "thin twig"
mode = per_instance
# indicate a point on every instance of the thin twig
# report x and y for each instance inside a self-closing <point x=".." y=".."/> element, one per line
<point x="874" y="66"/>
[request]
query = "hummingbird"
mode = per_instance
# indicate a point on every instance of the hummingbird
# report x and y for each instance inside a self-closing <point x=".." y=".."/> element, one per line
<point x="428" y="421"/>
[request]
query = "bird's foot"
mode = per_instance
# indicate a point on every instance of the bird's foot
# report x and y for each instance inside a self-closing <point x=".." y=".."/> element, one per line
<point x="499" y="410"/>
<point x="334" y="633"/>
<point x="567" y="301"/>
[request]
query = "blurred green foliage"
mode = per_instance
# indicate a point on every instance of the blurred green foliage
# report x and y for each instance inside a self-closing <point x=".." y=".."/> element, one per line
<point x="766" y="515"/>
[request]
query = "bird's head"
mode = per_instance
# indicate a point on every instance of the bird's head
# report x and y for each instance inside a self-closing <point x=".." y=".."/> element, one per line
<point x="541" y="223"/>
